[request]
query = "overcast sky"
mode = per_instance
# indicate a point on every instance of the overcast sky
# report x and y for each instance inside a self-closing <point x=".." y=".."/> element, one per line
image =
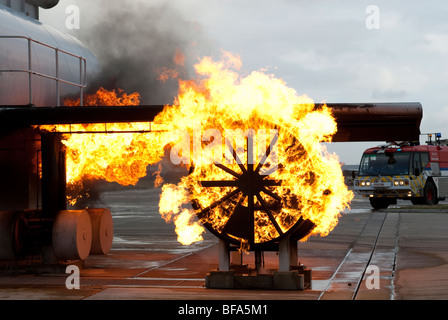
<point x="320" y="48"/>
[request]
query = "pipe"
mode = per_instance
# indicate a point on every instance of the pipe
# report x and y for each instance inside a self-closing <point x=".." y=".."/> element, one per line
<point x="356" y="121"/>
<point x="377" y="121"/>
<point x="27" y="116"/>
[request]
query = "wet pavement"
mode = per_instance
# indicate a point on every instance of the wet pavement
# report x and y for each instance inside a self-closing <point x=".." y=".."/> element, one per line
<point x="392" y="254"/>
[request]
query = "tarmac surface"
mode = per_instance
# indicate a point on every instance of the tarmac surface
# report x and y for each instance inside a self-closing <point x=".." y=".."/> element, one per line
<point x="396" y="254"/>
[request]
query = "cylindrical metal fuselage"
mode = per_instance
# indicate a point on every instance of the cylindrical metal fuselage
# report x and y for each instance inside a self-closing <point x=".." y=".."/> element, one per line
<point x="33" y="55"/>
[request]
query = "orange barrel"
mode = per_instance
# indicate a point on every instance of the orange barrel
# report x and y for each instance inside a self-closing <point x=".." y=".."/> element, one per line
<point x="72" y="235"/>
<point x="102" y="231"/>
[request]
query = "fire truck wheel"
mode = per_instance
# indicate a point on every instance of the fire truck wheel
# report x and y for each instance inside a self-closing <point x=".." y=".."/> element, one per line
<point x="379" y="203"/>
<point x="430" y="194"/>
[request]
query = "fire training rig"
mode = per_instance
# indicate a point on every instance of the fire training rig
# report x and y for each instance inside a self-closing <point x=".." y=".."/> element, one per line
<point x="59" y="235"/>
<point x="35" y="226"/>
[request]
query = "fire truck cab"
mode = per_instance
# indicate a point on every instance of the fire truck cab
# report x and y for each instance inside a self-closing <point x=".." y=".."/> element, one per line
<point x="404" y="171"/>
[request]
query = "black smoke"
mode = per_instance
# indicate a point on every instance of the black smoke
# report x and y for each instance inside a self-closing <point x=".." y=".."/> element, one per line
<point x="134" y="42"/>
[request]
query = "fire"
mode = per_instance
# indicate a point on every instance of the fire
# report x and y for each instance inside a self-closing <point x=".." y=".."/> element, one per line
<point x="308" y="180"/>
<point x="250" y="142"/>
<point x="105" y="97"/>
<point x="168" y="73"/>
<point x="113" y="157"/>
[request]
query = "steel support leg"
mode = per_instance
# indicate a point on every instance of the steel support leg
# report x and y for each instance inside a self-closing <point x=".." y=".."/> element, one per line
<point x="258" y="261"/>
<point x="287" y="255"/>
<point x="53" y="175"/>
<point x="224" y="255"/>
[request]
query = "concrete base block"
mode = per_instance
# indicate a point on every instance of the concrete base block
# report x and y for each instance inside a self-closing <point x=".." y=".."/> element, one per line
<point x="288" y="280"/>
<point x="307" y="274"/>
<point x="220" y="280"/>
<point x="260" y="281"/>
<point x="278" y="280"/>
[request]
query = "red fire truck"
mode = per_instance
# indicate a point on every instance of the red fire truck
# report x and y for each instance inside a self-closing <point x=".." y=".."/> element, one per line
<point x="404" y="171"/>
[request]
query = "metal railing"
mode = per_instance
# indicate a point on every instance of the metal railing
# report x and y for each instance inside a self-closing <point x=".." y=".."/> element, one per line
<point x="82" y="69"/>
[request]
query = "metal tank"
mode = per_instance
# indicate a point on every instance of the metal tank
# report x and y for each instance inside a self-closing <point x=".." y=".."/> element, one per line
<point x="38" y="63"/>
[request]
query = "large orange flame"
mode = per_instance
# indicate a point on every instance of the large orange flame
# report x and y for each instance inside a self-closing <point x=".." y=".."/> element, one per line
<point x="207" y="128"/>
<point x="312" y="184"/>
<point x="92" y="153"/>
